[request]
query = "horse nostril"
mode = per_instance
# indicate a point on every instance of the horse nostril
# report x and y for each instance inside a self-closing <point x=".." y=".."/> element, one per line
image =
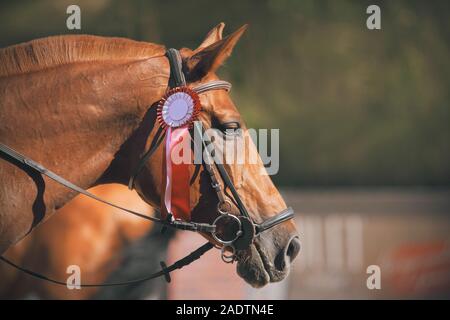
<point x="288" y="254"/>
<point x="293" y="249"/>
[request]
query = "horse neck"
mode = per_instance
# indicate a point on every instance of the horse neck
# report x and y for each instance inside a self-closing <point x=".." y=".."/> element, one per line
<point x="82" y="115"/>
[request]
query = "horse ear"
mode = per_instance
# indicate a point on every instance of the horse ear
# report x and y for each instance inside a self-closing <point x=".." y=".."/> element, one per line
<point x="210" y="58"/>
<point x="214" y="35"/>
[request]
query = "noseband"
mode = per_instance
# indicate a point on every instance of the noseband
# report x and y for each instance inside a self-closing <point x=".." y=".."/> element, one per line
<point x="232" y="232"/>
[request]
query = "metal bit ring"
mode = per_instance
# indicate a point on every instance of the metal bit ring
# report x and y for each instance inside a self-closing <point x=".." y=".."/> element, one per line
<point x="228" y="258"/>
<point x="224" y="207"/>
<point x="238" y="234"/>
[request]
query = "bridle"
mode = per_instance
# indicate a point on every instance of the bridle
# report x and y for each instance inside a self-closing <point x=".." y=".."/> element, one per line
<point x="232" y="232"/>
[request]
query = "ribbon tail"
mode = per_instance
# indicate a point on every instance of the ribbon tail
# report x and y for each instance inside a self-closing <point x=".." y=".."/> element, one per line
<point x="168" y="172"/>
<point x="176" y="196"/>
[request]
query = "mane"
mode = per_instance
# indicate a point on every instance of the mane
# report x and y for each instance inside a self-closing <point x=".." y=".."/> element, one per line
<point x="54" y="51"/>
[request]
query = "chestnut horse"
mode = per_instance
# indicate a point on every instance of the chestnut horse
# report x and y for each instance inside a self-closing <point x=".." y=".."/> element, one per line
<point x="85" y="233"/>
<point x="84" y="107"/>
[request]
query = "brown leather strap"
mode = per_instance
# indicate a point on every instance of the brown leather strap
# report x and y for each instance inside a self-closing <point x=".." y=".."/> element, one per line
<point x="212" y="85"/>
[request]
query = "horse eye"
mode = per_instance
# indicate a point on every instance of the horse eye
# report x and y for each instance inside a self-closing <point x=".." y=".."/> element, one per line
<point x="230" y="128"/>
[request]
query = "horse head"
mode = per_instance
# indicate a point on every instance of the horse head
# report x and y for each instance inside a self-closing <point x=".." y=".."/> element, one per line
<point x="270" y="254"/>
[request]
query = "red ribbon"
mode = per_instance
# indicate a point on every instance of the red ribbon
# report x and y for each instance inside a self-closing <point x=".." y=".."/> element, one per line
<point x="175" y="197"/>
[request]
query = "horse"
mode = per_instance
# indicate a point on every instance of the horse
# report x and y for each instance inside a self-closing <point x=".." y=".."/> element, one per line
<point x="85" y="106"/>
<point x="83" y="233"/>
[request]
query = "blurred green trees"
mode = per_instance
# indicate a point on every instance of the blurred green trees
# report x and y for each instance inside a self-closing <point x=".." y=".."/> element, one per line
<point x="355" y="107"/>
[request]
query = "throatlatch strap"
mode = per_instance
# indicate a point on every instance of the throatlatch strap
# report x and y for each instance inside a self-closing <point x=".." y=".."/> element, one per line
<point x="159" y="137"/>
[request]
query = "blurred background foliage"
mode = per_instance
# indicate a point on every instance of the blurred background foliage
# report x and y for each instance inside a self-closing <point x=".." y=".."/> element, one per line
<point x="355" y="107"/>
